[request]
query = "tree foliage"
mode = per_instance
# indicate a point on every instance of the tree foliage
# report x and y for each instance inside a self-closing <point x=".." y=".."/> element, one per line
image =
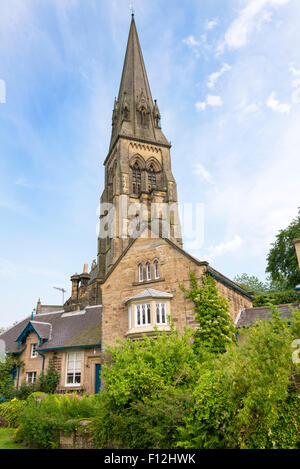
<point x="282" y="263"/>
<point x="246" y="397"/>
<point x="251" y="283"/>
<point x="7" y="368"/>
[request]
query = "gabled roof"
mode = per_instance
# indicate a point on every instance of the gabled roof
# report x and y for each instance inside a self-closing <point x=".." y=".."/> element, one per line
<point x="249" y="316"/>
<point x="150" y="293"/>
<point x="58" y="330"/>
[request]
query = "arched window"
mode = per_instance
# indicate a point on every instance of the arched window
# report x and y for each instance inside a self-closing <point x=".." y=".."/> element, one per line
<point x="141" y="274"/>
<point x="136" y="178"/>
<point x="148" y="271"/>
<point x="156" y="270"/>
<point x="151" y="177"/>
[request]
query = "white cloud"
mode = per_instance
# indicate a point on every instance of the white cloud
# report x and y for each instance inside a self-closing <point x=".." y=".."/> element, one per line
<point x="211" y="100"/>
<point x="191" y="42"/>
<point x="276" y="106"/>
<point x="224" y="248"/>
<point x="249" y="18"/>
<point x="212" y="23"/>
<point x="213" y="78"/>
<point x="214" y="100"/>
<point x="201" y="171"/>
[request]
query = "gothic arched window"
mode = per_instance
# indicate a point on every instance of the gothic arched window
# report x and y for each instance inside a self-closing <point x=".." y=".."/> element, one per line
<point x="136" y="178"/>
<point x="151" y="177"/>
<point x="148" y="271"/>
<point x="141" y="273"/>
<point x="156" y="270"/>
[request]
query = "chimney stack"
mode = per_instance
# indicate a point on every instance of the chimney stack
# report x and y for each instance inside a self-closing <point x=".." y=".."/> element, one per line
<point x="75" y="279"/>
<point x="85" y="278"/>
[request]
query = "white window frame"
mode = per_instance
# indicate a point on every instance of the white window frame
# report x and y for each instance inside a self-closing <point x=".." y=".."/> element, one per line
<point x="32" y="378"/>
<point x="141" y="273"/>
<point x="161" y="314"/>
<point x="129" y="317"/>
<point x="74" y="372"/>
<point x="33" y="353"/>
<point x="148" y="271"/>
<point x="140" y="315"/>
<point x="156" y="270"/>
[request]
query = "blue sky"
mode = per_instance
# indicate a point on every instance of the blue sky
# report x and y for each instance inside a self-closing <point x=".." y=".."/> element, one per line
<point x="227" y="79"/>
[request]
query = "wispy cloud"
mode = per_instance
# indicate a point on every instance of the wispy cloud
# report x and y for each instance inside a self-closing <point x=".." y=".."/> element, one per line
<point x="224" y="248"/>
<point x="201" y="171"/>
<point x="214" y="77"/>
<point x="276" y="106"/>
<point x="250" y="17"/>
<point x="211" y="24"/>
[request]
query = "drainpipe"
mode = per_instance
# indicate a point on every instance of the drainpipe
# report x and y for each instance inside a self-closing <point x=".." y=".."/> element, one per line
<point x="44" y="358"/>
<point x="18" y="376"/>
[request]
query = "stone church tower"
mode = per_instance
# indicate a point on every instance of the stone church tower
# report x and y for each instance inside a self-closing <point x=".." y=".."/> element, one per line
<point x="139" y="184"/>
<point x="140" y="260"/>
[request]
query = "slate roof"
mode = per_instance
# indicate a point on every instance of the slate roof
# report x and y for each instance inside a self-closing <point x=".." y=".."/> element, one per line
<point x="150" y="293"/>
<point x="249" y="316"/>
<point x="77" y="329"/>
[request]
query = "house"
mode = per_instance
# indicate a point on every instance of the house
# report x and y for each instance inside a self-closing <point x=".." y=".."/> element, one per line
<point x="134" y="286"/>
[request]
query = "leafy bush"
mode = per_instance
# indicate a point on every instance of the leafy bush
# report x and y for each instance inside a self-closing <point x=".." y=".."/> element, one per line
<point x="24" y="391"/>
<point x="145" y="368"/>
<point x="10" y="412"/>
<point x="6" y="376"/>
<point x="152" y="423"/>
<point x="243" y="398"/>
<point x="41" y="421"/>
<point x="48" y="381"/>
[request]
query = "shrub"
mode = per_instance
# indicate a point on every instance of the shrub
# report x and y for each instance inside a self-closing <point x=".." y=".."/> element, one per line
<point x="243" y="398"/>
<point x="10" y="412"/>
<point x="24" y="391"/>
<point x="6" y="376"/>
<point x="152" y="423"/>
<point x="48" y="381"/>
<point x="41" y="421"/>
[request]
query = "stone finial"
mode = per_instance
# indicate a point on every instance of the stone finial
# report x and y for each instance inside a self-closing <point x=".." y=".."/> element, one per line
<point x="86" y="269"/>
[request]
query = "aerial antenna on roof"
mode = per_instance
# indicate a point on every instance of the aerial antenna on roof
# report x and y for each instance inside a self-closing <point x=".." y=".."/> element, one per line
<point x="63" y="293"/>
<point x="131" y="6"/>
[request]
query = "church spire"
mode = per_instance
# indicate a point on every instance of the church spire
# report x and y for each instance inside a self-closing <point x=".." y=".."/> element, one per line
<point x="135" y="115"/>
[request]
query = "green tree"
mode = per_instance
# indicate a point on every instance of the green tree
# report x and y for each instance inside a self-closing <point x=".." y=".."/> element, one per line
<point x="282" y="263"/>
<point x="7" y="368"/>
<point x="252" y="283"/>
<point x="215" y="329"/>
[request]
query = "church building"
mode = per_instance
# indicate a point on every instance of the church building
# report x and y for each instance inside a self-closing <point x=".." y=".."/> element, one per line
<point x="134" y="286"/>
